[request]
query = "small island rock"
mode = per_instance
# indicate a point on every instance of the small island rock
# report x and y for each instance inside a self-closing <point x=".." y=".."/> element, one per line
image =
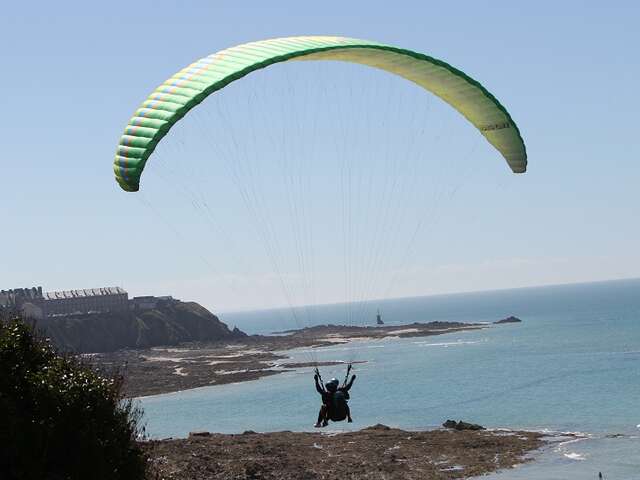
<point x="510" y="319"/>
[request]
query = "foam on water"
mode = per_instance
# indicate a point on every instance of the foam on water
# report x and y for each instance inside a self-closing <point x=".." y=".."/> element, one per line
<point x="574" y="456"/>
<point x="446" y="344"/>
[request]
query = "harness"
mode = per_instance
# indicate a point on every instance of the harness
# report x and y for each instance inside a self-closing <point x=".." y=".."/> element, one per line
<point x="346" y="377"/>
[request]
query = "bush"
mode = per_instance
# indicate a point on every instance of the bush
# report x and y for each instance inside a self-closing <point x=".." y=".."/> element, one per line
<point x="59" y="418"/>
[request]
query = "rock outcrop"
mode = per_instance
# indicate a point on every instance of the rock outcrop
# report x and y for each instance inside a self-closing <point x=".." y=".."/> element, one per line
<point x="510" y="319"/>
<point x="462" y="425"/>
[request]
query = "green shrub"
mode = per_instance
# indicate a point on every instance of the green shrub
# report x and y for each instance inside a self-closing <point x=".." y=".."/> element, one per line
<point x="59" y="418"/>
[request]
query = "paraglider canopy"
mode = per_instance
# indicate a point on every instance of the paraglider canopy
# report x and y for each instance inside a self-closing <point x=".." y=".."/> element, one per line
<point x="190" y="86"/>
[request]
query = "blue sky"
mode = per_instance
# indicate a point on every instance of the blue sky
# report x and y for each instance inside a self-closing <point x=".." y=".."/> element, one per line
<point x="75" y="71"/>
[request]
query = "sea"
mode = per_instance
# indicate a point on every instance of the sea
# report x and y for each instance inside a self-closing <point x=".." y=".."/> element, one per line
<point x="571" y="366"/>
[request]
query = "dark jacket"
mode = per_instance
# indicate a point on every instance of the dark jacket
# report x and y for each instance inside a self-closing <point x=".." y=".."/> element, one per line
<point x="327" y="397"/>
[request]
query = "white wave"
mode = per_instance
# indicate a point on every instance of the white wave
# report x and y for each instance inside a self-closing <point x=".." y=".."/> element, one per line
<point x="446" y="344"/>
<point x="573" y="440"/>
<point x="575" y="456"/>
<point x="561" y="433"/>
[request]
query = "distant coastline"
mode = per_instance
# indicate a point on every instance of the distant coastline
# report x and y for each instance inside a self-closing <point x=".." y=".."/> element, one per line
<point x="168" y="369"/>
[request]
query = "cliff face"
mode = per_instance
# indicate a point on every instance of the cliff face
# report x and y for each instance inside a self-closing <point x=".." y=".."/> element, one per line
<point x="167" y="324"/>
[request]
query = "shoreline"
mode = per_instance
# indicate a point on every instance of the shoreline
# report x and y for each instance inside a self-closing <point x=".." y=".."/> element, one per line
<point x="376" y="452"/>
<point x="176" y="368"/>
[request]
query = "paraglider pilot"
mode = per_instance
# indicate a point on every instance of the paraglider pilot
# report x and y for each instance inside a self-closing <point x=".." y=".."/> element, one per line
<point x="334" y="400"/>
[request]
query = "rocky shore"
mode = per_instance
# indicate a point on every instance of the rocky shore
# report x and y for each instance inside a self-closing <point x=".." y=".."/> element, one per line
<point x="190" y="365"/>
<point x="460" y="450"/>
<point x="374" y="453"/>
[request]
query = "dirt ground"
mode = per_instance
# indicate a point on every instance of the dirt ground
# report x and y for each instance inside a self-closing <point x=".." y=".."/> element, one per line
<point x="375" y="453"/>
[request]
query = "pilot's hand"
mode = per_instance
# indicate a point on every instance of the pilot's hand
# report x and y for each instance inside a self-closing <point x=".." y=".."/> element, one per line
<point x="315" y="377"/>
